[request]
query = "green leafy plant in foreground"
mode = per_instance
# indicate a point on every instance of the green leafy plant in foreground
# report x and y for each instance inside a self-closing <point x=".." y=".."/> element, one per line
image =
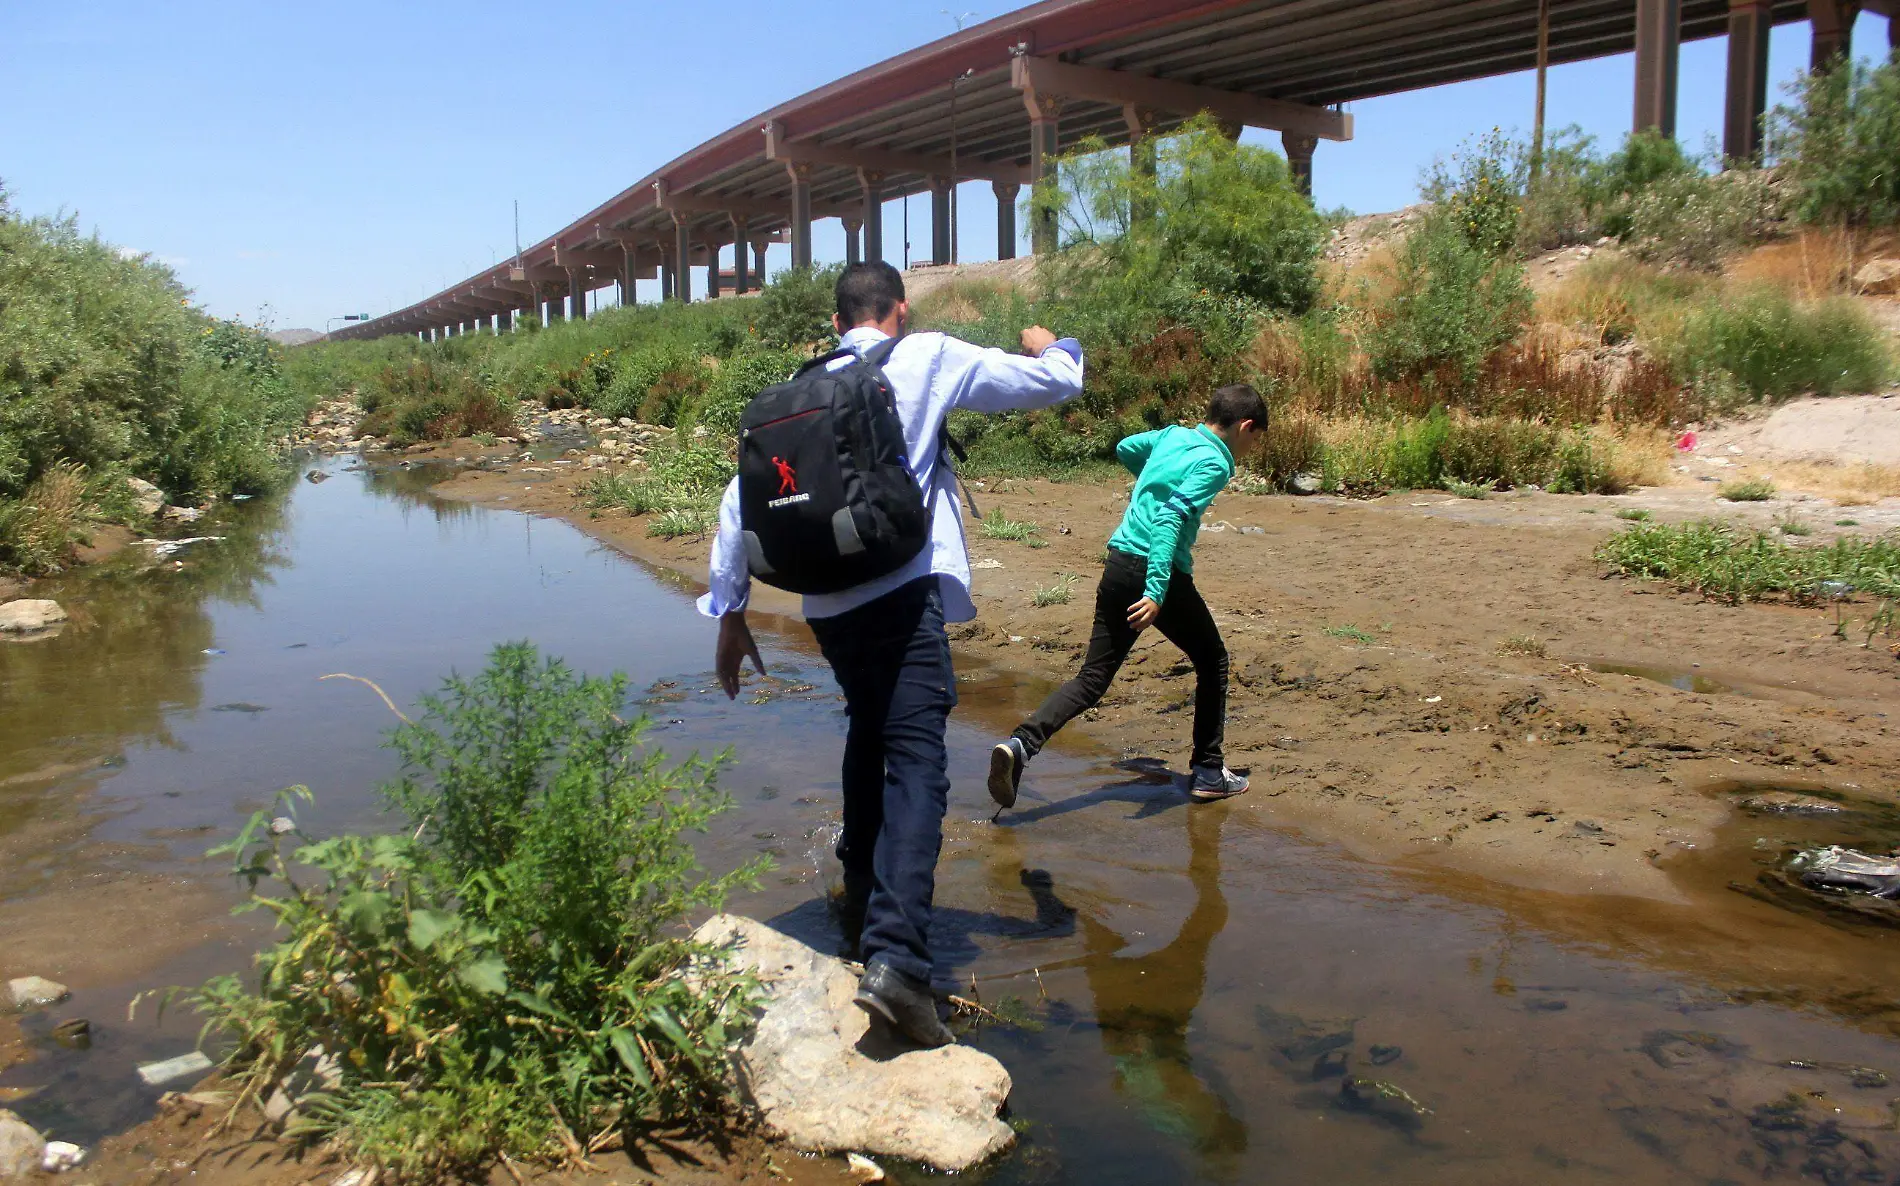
<point x="504" y="974"/>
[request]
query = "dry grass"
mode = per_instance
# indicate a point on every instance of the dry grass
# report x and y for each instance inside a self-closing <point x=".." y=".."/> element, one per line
<point x="40" y="533"/>
<point x="1847" y="485"/>
<point x="957" y="302"/>
<point x="1812" y="263"/>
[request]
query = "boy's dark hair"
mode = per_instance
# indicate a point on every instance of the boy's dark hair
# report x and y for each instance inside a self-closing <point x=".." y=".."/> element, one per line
<point x="1233" y="404"/>
<point x="868" y="291"/>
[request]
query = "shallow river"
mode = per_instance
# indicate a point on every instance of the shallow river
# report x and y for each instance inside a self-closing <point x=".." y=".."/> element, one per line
<point x="1200" y="978"/>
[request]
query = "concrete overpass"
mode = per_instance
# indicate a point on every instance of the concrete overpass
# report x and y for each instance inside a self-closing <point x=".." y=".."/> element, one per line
<point x="999" y="101"/>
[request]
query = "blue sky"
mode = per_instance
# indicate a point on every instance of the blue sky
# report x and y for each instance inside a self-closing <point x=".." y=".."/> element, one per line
<point x="315" y="160"/>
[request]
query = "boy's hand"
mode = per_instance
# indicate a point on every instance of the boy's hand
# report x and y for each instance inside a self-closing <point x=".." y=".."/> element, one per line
<point x="1142" y="614"/>
<point x="735" y="646"/>
<point x="1037" y="339"/>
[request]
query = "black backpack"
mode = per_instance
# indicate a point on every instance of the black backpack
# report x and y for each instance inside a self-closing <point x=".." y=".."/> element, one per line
<point x="826" y="497"/>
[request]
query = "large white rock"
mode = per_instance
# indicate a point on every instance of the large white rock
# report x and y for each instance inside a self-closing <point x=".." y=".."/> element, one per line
<point x="30" y="992"/>
<point x="21" y="1148"/>
<point x="1879" y="277"/>
<point x="812" y="1087"/>
<point x="30" y="615"/>
<point x="149" y="498"/>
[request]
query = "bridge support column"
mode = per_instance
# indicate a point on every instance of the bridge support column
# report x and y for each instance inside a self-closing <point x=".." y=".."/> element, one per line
<point x="852" y="227"/>
<point x="1045" y="113"/>
<point x="577" y="293"/>
<point x="758" y="259"/>
<point x="1833" y="24"/>
<point x="1005" y="192"/>
<point x="1142" y="162"/>
<point x="940" y="220"/>
<point x="740" y="245"/>
<point x="1658" y="39"/>
<point x="801" y="213"/>
<point x="1748" y="24"/>
<point x="715" y="239"/>
<point x="1299" y="158"/>
<point x="872" y="184"/>
<point x="682" y="260"/>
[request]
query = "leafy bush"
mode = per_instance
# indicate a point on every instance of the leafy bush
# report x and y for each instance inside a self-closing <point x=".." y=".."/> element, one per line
<point x="1478" y="193"/>
<point x="501" y="975"/>
<point x="1774" y="346"/>
<point x="796" y="308"/>
<point x="1453" y="305"/>
<point x="740" y="377"/>
<point x="105" y="365"/>
<point x="1698" y="219"/>
<point x="1225" y="234"/>
<point x="653" y="384"/>
<point x="1837" y="143"/>
<point x="429" y="399"/>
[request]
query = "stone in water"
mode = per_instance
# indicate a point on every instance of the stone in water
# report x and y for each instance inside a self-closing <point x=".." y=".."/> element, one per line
<point x="31" y="992"/>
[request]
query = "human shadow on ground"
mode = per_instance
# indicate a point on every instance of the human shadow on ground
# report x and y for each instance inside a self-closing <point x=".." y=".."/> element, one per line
<point x="1154" y="790"/>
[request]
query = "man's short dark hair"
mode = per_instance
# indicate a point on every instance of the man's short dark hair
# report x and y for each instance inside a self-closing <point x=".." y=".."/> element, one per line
<point x="1231" y="405"/>
<point x="868" y="292"/>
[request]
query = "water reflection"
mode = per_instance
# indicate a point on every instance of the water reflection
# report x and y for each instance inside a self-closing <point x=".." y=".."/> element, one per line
<point x="1145" y="1005"/>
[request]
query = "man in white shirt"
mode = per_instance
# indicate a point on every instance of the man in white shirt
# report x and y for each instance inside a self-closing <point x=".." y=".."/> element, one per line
<point x="885" y="638"/>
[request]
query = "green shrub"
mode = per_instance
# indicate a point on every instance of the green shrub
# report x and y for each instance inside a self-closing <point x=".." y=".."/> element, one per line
<point x="1836" y="144"/>
<point x="1775" y="347"/>
<point x="1453" y="305"/>
<point x="1615" y="185"/>
<point x="684" y="474"/>
<point x="1747" y="490"/>
<point x="739" y="378"/>
<point x="106" y="365"/>
<point x="500" y="974"/>
<point x="431" y="399"/>
<point x="1699" y="220"/>
<point x="795" y="310"/>
<point x="1478" y="193"/>
<point x="653" y="384"/>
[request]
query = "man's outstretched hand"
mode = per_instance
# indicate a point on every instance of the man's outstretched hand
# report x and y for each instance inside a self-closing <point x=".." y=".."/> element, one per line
<point x="1037" y="339"/>
<point x="734" y="648"/>
<point x="1143" y="613"/>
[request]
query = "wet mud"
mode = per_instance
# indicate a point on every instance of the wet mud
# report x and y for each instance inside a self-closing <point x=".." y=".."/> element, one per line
<point x="1293" y="985"/>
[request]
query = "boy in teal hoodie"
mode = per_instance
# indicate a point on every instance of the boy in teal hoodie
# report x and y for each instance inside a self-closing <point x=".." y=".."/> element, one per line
<point x="1148" y="579"/>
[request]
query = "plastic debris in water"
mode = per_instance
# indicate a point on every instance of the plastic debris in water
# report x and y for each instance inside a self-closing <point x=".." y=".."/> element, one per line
<point x="1847" y="871"/>
<point x="863" y="1168"/>
<point x="155" y="1073"/>
<point x="214" y="650"/>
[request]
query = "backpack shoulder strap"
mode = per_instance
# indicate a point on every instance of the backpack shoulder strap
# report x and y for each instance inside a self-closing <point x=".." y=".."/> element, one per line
<point x="824" y="360"/>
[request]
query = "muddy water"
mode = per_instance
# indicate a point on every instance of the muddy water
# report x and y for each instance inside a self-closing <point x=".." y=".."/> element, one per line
<point x="1201" y="982"/>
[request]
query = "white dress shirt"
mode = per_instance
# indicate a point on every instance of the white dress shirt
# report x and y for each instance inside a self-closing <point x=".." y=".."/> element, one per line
<point x="930" y="373"/>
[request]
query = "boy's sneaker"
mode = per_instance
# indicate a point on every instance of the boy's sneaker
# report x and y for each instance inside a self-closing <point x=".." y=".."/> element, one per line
<point x="1209" y="783"/>
<point x="1006" y="771"/>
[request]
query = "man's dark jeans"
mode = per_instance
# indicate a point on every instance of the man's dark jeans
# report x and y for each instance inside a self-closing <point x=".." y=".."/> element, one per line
<point x="1184" y="621"/>
<point x="892" y="660"/>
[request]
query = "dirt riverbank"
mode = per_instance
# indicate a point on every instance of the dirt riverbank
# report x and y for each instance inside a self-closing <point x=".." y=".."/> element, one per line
<point x="1370" y="697"/>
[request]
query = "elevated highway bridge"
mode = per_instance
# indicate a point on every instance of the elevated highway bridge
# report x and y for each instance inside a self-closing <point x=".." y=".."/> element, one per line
<point x="1001" y="100"/>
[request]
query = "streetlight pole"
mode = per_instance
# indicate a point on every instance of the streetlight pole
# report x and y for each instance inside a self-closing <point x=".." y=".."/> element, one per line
<point x="953" y="154"/>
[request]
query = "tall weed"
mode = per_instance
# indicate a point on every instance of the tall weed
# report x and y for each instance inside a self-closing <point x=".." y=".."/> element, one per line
<point x="502" y="974"/>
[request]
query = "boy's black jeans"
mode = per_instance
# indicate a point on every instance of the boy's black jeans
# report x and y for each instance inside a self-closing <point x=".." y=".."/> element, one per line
<point x="1184" y="621"/>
